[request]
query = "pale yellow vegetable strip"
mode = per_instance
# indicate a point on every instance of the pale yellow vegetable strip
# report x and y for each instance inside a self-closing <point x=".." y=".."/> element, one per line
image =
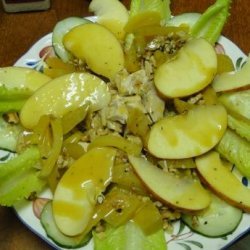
<point x="71" y="119"/>
<point x="57" y="133"/>
<point x="74" y="138"/>
<point x="43" y="133"/>
<point x="117" y="142"/>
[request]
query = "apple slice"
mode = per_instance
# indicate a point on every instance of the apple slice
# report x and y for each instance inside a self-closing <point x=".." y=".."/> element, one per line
<point x="112" y="14"/>
<point x="181" y="192"/>
<point x="233" y="80"/>
<point x="193" y="68"/>
<point x="98" y="47"/>
<point x="76" y="193"/>
<point x="222" y="181"/>
<point x="189" y="134"/>
<point x="64" y="94"/>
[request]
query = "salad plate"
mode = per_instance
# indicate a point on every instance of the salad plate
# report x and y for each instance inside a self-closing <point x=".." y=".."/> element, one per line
<point x="182" y="238"/>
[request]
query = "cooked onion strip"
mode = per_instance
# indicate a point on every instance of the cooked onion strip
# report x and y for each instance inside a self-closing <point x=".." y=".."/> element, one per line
<point x="57" y="134"/>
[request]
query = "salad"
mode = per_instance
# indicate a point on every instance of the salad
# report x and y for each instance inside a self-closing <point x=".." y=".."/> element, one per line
<point x="130" y="123"/>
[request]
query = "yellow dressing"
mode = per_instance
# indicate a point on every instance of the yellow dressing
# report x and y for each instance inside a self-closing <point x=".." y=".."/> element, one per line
<point x="64" y="208"/>
<point x="77" y="191"/>
<point x="200" y="128"/>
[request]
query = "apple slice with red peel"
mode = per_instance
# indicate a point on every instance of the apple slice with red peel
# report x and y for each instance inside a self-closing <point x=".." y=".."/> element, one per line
<point x="181" y="192"/>
<point x="112" y="14"/>
<point x="189" y="134"/>
<point x="193" y="68"/>
<point x="222" y="181"/>
<point x="98" y="47"/>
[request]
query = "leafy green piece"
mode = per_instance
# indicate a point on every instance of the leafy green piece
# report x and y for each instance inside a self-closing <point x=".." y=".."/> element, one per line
<point x="236" y="150"/>
<point x="127" y="237"/>
<point x="161" y="6"/>
<point x="241" y="127"/>
<point x="211" y="22"/>
<point x="19" y="177"/>
<point x="8" y="135"/>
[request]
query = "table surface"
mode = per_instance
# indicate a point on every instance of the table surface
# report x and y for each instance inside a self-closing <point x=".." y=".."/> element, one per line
<point x="19" y="31"/>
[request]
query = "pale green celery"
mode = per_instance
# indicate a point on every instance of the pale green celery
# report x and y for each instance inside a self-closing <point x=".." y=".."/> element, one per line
<point x="12" y="99"/>
<point x="237" y="103"/>
<point x="236" y="150"/>
<point x="13" y="93"/>
<point x="19" y="177"/>
<point x="211" y="22"/>
<point x="161" y="6"/>
<point x="23" y="161"/>
<point x="12" y="105"/>
<point x="240" y="126"/>
<point x="128" y="237"/>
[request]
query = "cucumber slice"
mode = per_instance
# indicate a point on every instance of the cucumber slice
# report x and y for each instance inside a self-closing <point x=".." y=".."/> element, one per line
<point x="218" y="220"/>
<point x="60" y="29"/>
<point x="49" y="225"/>
<point x="184" y="19"/>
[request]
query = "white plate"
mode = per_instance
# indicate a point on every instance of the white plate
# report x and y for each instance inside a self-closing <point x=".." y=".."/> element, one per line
<point x="182" y="238"/>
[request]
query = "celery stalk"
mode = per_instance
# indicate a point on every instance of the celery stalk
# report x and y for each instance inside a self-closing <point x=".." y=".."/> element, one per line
<point x="19" y="177"/>
<point x="211" y="22"/>
<point x="236" y="150"/>
<point x="240" y="126"/>
<point x="11" y="105"/>
<point x="14" y="93"/>
<point x="23" y="162"/>
<point x="12" y="99"/>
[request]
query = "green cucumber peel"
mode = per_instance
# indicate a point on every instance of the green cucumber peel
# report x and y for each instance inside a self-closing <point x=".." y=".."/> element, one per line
<point x="19" y="178"/>
<point x="211" y="22"/>
<point x="161" y="6"/>
<point x="52" y="231"/>
<point x="61" y="28"/>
